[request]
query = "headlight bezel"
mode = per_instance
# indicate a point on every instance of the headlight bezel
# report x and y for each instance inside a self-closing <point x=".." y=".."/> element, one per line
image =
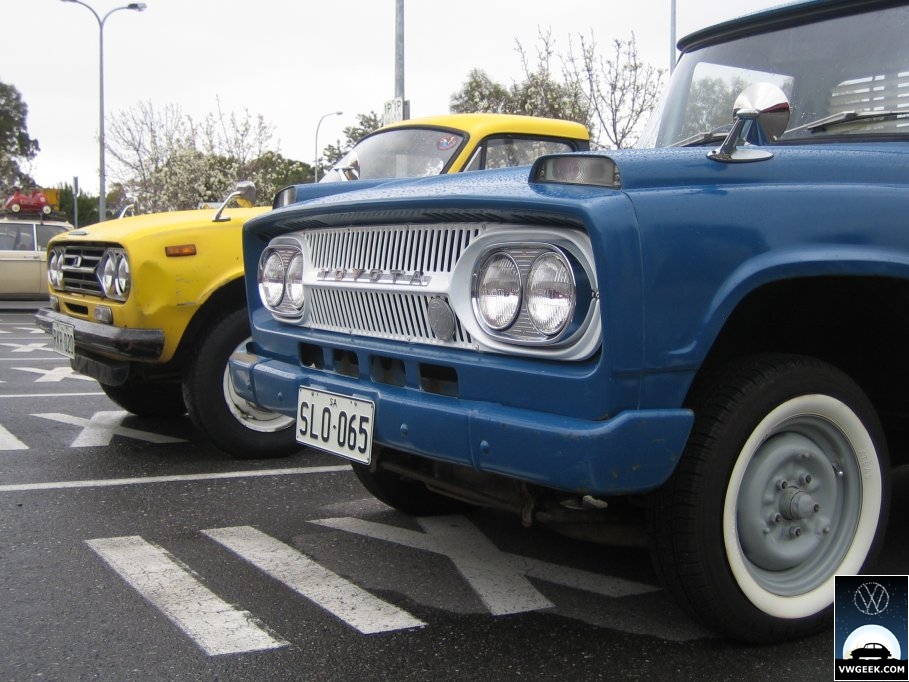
<point x="523" y="329"/>
<point x="55" y="268"/>
<point x="291" y="302"/>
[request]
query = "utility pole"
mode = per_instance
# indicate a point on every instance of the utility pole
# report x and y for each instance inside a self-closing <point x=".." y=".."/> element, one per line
<point x="399" y="49"/>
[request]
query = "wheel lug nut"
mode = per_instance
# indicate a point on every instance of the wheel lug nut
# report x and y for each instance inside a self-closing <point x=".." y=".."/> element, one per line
<point x="795" y="532"/>
<point x="805" y="479"/>
<point x="775" y="519"/>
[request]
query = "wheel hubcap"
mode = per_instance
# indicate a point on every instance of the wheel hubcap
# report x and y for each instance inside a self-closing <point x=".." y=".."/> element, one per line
<point x="797" y="506"/>
<point x="251" y="416"/>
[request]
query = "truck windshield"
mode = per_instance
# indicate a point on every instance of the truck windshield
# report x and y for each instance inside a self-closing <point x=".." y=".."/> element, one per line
<point x="398" y="153"/>
<point x="832" y="71"/>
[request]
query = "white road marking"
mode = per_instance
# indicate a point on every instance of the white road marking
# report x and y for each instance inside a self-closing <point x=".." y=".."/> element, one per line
<point x="143" y="480"/>
<point x="102" y="427"/>
<point x="54" y="374"/>
<point x="50" y="395"/>
<point x="25" y="347"/>
<point x="213" y="624"/>
<point x="9" y="442"/>
<point x="355" y="606"/>
<point x="499" y="578"/>
<point x="57" y="358"/>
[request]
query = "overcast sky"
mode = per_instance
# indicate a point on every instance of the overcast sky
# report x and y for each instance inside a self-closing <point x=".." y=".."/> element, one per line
<point x="290" y="60"/>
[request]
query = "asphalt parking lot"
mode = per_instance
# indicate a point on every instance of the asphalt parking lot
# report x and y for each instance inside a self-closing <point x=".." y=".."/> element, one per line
<point x="131" y="551"/>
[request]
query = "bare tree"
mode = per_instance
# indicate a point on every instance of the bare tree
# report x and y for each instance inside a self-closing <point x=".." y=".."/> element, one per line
<point x="143" y="142"/>
<point x="621" y="89"/>
<point x="613" y="96"/>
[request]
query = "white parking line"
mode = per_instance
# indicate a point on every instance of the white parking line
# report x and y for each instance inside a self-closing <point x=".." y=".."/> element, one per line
<point x="25" y="347"/>
<point x="498" y="578"/>
<point x="355" y="606"/>
<point x="102" y="427"/>
<point x="55" y="374"/>
<point x="49" y="395"/>
<point x="142" y="480"/>
<point x="9" y="442"/>
<point x="216" y="626"/>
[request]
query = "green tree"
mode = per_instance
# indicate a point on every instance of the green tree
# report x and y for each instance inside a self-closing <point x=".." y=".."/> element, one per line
<point x="87" y="205"/>
<point x="16" y="147"/>
<point x="366" y="124"/>
<point x="480" y="94"/>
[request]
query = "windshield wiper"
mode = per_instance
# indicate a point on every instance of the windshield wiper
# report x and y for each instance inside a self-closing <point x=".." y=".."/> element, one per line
<point x="847" y="117"/>
<point x="706" y="137"/>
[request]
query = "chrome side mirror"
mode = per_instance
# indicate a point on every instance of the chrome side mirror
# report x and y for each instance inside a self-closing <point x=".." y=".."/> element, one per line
<point x="245" y="194"/>
<point x="761" y="113"/>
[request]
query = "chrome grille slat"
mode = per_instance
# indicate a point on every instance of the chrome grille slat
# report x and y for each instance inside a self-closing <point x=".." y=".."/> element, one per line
<point x="383" y="314"/>
<point x="80" y="263"/>
<point x="431" y="249"/>
<point x="402" y="317"/>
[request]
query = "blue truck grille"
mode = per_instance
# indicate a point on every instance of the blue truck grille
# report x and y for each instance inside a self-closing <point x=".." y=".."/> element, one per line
<point x="400" y="315"/>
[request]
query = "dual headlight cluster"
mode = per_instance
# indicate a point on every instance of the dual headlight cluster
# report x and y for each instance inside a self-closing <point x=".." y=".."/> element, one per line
<point x="280" y="280"/>
<point x="527" y="293"/>
<point x="113" y="272"/>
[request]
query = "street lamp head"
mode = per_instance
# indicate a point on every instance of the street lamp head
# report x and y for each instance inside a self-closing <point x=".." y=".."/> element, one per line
<point x="138" y="6"/>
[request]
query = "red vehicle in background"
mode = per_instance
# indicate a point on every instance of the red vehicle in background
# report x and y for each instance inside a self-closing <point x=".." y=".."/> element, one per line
<point x="34" y="202"/>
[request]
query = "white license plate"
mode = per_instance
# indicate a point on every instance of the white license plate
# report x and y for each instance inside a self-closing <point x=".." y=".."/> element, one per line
<point x="64" y="340"/>
<point x="337" y="423"/>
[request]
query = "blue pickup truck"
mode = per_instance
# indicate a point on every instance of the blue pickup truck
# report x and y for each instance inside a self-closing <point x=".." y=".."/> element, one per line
<point x="694" y="345"/>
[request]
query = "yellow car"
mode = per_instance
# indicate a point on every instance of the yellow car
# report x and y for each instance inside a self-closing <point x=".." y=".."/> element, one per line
<point x="152" y="306"/>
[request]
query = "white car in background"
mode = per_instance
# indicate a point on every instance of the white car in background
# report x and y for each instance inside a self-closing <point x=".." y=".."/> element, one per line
<point x="23" y="256"/>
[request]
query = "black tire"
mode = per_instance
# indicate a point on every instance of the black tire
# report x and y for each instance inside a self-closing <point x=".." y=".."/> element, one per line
<point x="407" y="495"/>
<point x="784" y="484"/>
<point x="146" y="399"/>
<point x="227" y="421"/>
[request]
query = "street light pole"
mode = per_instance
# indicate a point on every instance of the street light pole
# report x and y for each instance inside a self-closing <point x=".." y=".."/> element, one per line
<point x="102" y="190"/>
<point x="319" y="125"/>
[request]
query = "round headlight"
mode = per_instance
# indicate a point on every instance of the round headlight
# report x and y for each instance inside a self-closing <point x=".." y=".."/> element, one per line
<point x="551" y="293"/>
<point x="498" y="291"/>
<point x="123" y="280"/>
<point x="271" y="279"/>
<point x="294" y="281"/>
<point x="113" y="275"/>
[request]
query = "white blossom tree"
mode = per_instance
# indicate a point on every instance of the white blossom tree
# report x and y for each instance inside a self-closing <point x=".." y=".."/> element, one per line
<point x="164" y="160"/>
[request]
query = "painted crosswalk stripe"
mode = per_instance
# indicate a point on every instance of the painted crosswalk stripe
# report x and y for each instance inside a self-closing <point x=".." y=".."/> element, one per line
<point x="213" y="624"/>
<point x="355" y="606"/>
<point x="9" y="442"/>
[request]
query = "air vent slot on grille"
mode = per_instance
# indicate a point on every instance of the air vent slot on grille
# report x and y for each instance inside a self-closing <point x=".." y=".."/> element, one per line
<point x="80" y="263"/>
